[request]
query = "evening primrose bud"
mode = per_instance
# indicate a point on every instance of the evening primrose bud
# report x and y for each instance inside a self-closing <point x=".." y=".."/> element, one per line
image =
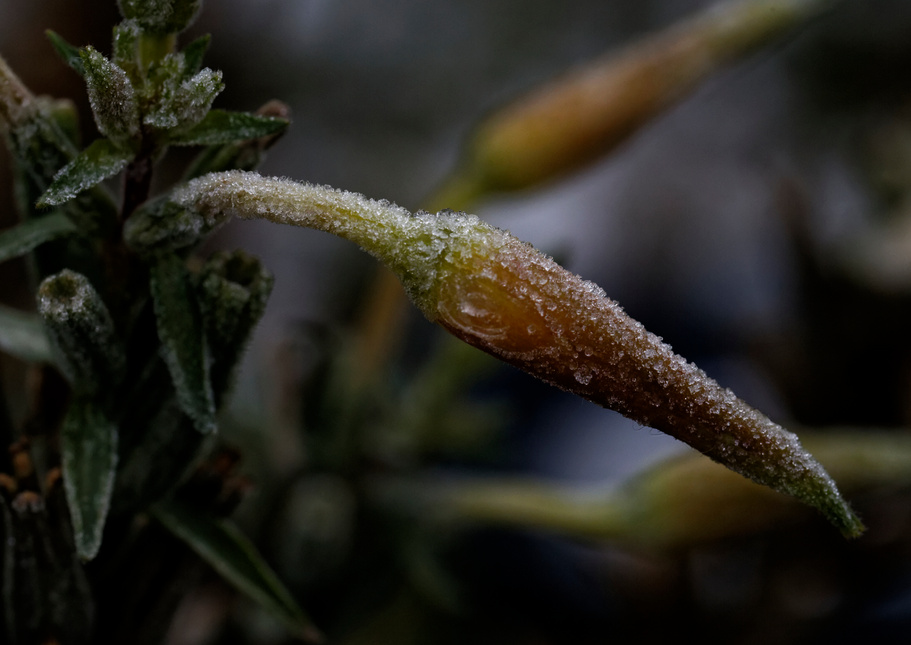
<point x="503" y="296"/>
<point x="576" y="118"/>
<point x="80" y="331"/>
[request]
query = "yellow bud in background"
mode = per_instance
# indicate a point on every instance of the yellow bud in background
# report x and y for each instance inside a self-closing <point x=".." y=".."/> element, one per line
<point x="574" y="119"/>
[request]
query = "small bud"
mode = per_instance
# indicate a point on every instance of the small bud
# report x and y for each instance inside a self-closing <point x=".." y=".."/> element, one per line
<point x="503" y="296"/>
<point x="81" y="332"/>
<point x="112" y="97"/>
<point x="233" y="291"/>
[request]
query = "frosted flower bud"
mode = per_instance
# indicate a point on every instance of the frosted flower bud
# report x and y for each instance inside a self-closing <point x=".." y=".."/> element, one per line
<point x="503" y="296"/>
<point x="112" y="97"/>
<point x="81" y="331"/>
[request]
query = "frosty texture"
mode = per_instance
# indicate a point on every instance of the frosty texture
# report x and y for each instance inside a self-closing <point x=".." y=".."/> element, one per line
<point x="81" y="331"/>
<point x="508" y="299"/>
<point x="112" y="97"/>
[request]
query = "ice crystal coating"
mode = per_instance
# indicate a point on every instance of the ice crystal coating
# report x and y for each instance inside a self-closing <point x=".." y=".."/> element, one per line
<point x="80" y="330"/>
<point x="111" y="96"/>
<point x="503" y="296"/>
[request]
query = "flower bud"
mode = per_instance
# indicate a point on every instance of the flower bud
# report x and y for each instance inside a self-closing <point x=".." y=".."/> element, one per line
<point x="81" y="331"/>
<point x="503" y="296"/>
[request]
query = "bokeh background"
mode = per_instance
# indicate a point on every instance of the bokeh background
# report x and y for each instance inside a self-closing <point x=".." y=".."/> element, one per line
<point x="744" y="226"/>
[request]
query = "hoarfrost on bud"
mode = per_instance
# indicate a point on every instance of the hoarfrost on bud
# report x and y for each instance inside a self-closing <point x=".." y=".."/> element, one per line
<point x="503" y="296"/>
<point x="80" y="330"/>
<point x="111" y="96"/>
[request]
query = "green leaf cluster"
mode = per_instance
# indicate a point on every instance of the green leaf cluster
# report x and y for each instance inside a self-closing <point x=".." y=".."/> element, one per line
<point x="146" y="336"/>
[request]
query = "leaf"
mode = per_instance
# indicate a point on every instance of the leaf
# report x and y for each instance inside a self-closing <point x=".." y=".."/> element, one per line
<point x="236" y="559"/>
<point x="102" y="159"/>
<point x="184" y="347"/>
<point x="89" y="456"/>
<point x="22" y="335"/>
<point x="70" y="54"/>
<point x="193" y="54"/>
<point x="32" y="233"/>
<point x="221" y="126"/>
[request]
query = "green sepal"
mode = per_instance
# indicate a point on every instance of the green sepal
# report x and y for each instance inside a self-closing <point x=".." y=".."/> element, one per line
<point x="233" y="291"/>
<point x="183" y="343"/>
<point x="89" y="458"/>
<point x="111" y="95"/>
<point x="81" y="333"/>
<point x="67" y="52"/>
<point x="102" y="159"/>
<point x="237" y="560"/>
<point x="222" y="126"/>
<point x="21" y="239"/>
<point x="194" y="53"/>
<point x="22" y="335"/>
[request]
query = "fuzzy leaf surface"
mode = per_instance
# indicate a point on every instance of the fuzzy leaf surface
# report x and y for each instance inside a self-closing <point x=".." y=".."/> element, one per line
<point x="237" y="560"/>
<point x="21" y="239"/>
<point x="111" y="95"/>
<point x="102" y="159"/>
<point x="184" y="346"/>
<point x="89" y="456"/>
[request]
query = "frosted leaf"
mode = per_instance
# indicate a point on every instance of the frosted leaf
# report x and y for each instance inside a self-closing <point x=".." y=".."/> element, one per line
<point x="183" y="344"/>
<point x="182" y="103"/>
<point x="111" y="96"/>
<point x="508" y="299"/>
<point x="89" y="459"/>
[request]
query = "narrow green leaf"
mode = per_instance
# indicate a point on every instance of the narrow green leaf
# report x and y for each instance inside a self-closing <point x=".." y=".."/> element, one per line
<point x="193" y="54"/>
<point x="102" y="159"/>
<point x="22" y="335"/>
<point x="89" y="456"/>
<point x="30" y="234"/>
<point x="221" y="126"/>
<point x="236" y="559"/>
<point x="66" y="51"/>
<point x="184" y="346"/>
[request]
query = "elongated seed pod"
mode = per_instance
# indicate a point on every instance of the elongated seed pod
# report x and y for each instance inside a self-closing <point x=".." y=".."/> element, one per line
<point x="503" y="296"/>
